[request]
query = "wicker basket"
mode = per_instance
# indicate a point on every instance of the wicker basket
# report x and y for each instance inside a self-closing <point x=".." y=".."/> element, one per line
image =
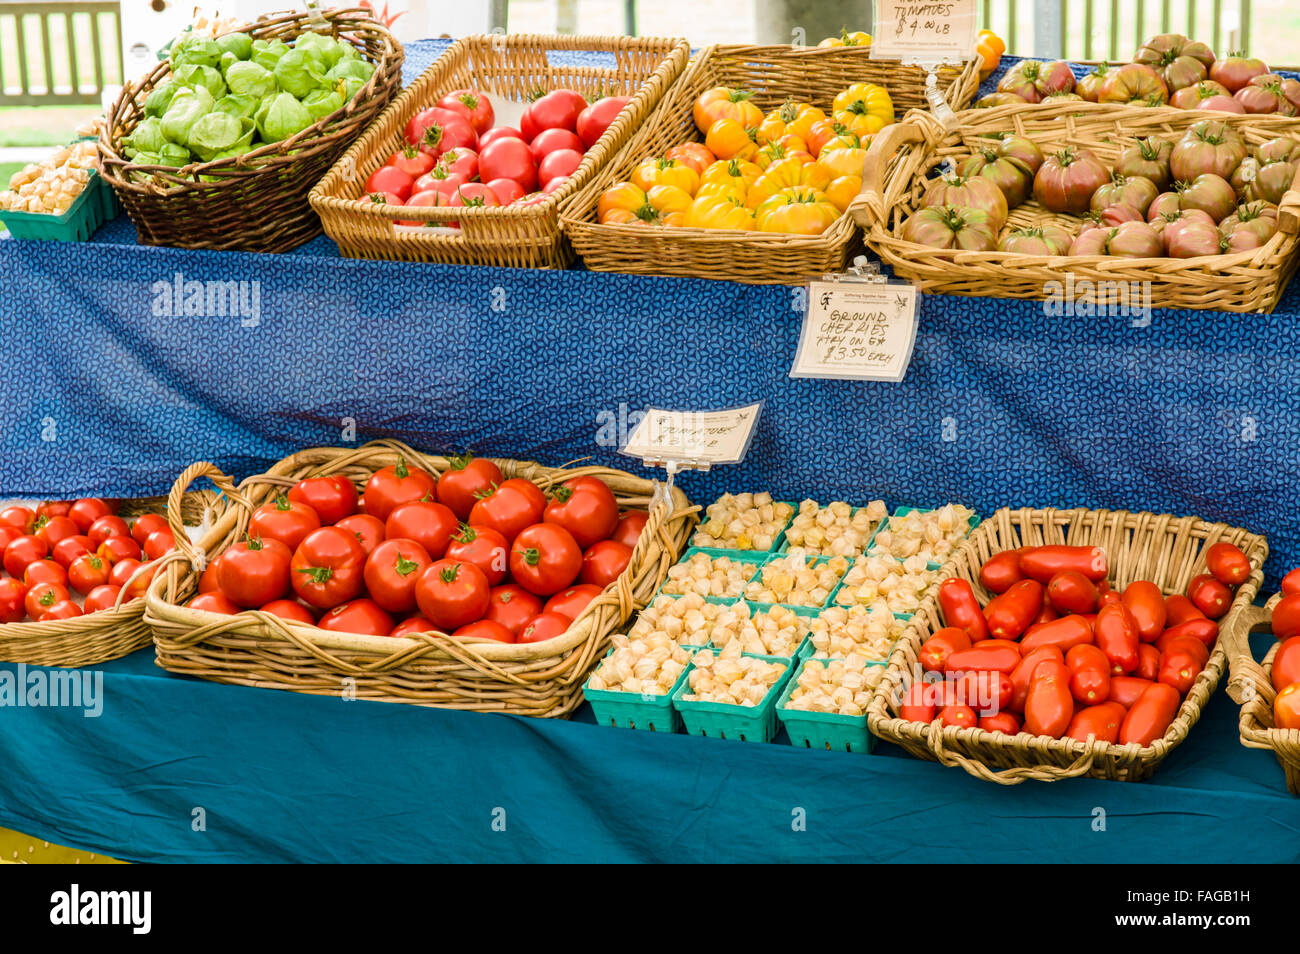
<point x="1251" y="685"/>
<point x="108" y="634"/>
<point x="775" y="74"/>
<point x="1139" y="546"/>
<point x="510" y="67"/>
<point x="259" y="649"/>
<point x="901" y="159"/>
<point x="258" y="202"/>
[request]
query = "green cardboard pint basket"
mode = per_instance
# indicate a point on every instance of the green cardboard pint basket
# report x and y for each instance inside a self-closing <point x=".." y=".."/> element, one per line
<point x="823" y="730"/>
<point x="719" y="720"/>
<point x="86" y="214"/>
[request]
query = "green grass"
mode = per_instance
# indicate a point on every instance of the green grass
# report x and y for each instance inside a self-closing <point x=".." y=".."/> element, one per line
<point x="41" y="125"/>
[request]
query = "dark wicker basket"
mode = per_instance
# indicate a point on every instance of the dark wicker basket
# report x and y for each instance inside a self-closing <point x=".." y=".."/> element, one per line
<point x="258" y="201"/>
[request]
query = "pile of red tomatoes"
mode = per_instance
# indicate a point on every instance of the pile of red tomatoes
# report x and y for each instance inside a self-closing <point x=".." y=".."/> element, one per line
<point x="1057" y="652"/>
<point x="454" y="154"/>
<point x="68" y="558"/>
<point x="466" y="552"/>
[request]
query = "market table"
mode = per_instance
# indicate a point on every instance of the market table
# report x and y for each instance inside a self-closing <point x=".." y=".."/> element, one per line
<point x="115" y="391"/>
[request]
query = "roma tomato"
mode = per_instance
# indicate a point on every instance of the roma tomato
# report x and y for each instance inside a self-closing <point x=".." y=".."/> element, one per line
<point x="69" y="548"/>
<point x="1126" y="690"/>
<point x="1021" y="675"/>
<point x="1179" y="609"/>
<point x="254" y="572"/>
<point x="1009" y="614"/>
<point x="1291" y="582"/>
<point x="1205" y="631"/>
<point x="1072" y="592"/>
<point x="1043" y="563"/>
<point x="1148" y="666"/>
<point x="460" y="485"/>
<point x="1180" y="669"/>
<point x="544" y="559"/>
<point x="214" y="603"/>
<point x="397" y="484"/>
<point x="1064" y="633"/>
<point x="982" y="659"/>
<point x="87" y="510"/>
<point x="963" y="717"/>
<point x="512" y="606"/>
<point x="12" y="595"/>
<point x="544" y="626"/>
<point x="1286" y="663"/>
<point x="485" y="629"/>
<point x="485" y="548"/>
<point x="145" y="525"/>
<point x="599" y="116"/>
<point x="332" y="498"/>
<point x="629" y="527"/>
<point x="573" y="601"/>
<point x="284" y="520"/>
<point x="942" y="644"/>
<point x="1147" y="604"/>
<point x="1116" y="635"/>
<point x="508" y="158"/>
<point x="1006" y="722"/>
<point x="960" y="608"/>
<point x="585" y="506"/>
<point x="368" y="530"/>
<point x="363" y="616"/>
<point x="109" y="525"/>
<point x="23" y="551"/>
<point x="1000" y="571"/>
<point x="290" y="610"/>
<point x="87" y="572"/>
<point x="327" y="568"/>
<point x="918" y="703"/>
<point x="509" y="508"/>
<point x="1150" y="716"/>
<point x="1210" y="596"/>
<point x="1089" y="674"/>
<point x="1228" y="564"/>
<point x="604" y="562"/>
<point x="451" y="594"/>
<point x="1049" y="706"/>
<point x="427" y="523"/>
<point x="1101" y="721"/>
<point x="97" y="600"/>
<point x="392" y="570"/>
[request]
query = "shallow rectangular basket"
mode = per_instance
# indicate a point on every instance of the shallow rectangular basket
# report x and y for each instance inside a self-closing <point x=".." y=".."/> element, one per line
<point x="1166" y="550"/>
<point x="1251" y="685"/>
<point x="903" y="158"/>
<point x="111" y="633"/>
<point x="259" y="649"/>
<point x="513" y="66"/>
<point x="256" y="202"/>
<point x="775" y="74"/>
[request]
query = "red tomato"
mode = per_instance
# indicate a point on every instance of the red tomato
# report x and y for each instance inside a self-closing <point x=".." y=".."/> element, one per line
<point x="159" y="543"/>
<point x="1089" y="674"/>
<point x="1043" y="563"/>
<point x="1290" y="582"/>
<point x="121" y="548"/>
<point x="55" y="529"/>
<point x="573" y="601"/>
<point x="327" y="568"/>
<point x="64" y="609"/>
<point x="987" y="692"/>
<point x="460" y="485"/>
<point x="585" y="506"/>
<point x="1210" y="596"/>
<point x="429" y="199"/>
<point x="1006" y="722"/>
<point x="100" y="598"/>
<point x="23" y="551"/>
<point x="208" y="578"/>
<point x="427" y="523"/>
<point x="435" y="130"/>
<point x="1148" y="666"/>
<point x="1286" y="663"/>
<point x="554" y="185"/>
<point x="145" y="525"/>
<point x="1147" y="604"/>
<point x="918" y="703"/>
<point x="1126" y="690"/>
<point x="473" y="105"/>
<point x="69" y="548"/>
<point x="392" y="571"/>
<point x="87" y="572"/>
<point x="451" y="594"/>
<point x="474" y="195"/>
<point x="332" y="498"/>
<point x="1150" y="716"/>
<point x="253" y="572"/>
<point x="485" y="548"/>
<point x="604" y="562"/>
<point x="214" y="603"/>
<point x="1064" y="633"/>
<point x="1009" y="614"/>
<point x="942" y="644"/>
<point x="409" y="159"/>
<point x="1205" y="631"/>
<point x="87" y="510"/>
<point x="544" y="559"/>
<point x="9" y="533"/>
<point x="42" y="596"/>
<point x="385" y="198"/>
<point x="441" y="180"/>
<point x="24" y="518"/>
<point x="1179" y="609"/>
<point x="498" y="132"/>
<point x="1102" y="721"/>
<point x="558" y="164"/>
<point x="1228" y="564"/>
<point x="12" y="595"/>
<point x="460" y="162"/>
<point x="1000" y="571"/>
<point x="558" y="109"/>
<point x="52" y="508"/>
<point x="961" y="716"/>
<point x="1049" y="707"/>
<point x="629" y="528"/>
<point x="361" y="616"/>
<point x="544" y="626"/>
<point x="44" y="571"/>
<point x="509" y="508"/>
<point x="123" y="570"/>
<point x="508" y="158"/>
<point x="410" y="627"/>
<point x="1072" y="592"/>
<point x="391" y="179"/>
<point x="285" y="520"/>
<point x="549" y="140"/>
<point x="397" y="484"/>
<point x="1116" y="635"/>
<point x="485" y="629"/>
<point x="506" y="190"/>
<point x="960" y="609"/>
<point x="512" y="606"/>
<point x="368" y="530"/>
<point x="109" y="525"/>
<point x="599" y="116"/>
<point x="1179" y="670"/>
<point x="290" y="610"/>
<point x="986" y="659"/>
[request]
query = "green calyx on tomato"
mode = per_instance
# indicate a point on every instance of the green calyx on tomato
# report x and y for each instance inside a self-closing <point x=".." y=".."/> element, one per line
<point x="403" y="566"/>
<point x="459" y="462"/>
<point x="531" y="555"/>
<point x="255" y="543"/>
<point x="562" y="493"/>
<point x="484" y="494"/>
<point x="448" y="574"/>
<point x="318" y="574"/>
<point x="48" y="598"/>
<point x="400" y="469"/>
<point x="282" y="503"/>
<point x="467" y="534"/>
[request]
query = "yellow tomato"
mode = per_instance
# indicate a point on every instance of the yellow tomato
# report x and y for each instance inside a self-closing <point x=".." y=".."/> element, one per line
<point x="792" y="119"/>
<point x="863" y="108"/>
<point x="843" y="190"/>
<point x="666" y="199"/>
<point x="673" y="172"/>
<point x="728" y="139"/>
<point x="618" y="201"/>
<point x="842" y="162"/>
<point x="856" y="38"/>
<point x="723" y="102"/>
<point x="786" y="174"/>
<point x="989" y="48"/>
<point x="801" y="211"/>
<point x="626" y="203"/>
<point x="737" y="192"/>
<point x="720" y="212"/>
<point x="694" y="154"/>
<point x="733" y="173"/>
<point x="775" y="152"/>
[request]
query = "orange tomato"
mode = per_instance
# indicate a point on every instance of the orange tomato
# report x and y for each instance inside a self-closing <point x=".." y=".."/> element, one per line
<point x="622" y="198"/>
<point x="668" y="199"/>
<point x="653" y="172"/>
<point x="723" y="102"/>
<point x="728" y="139"/>
<point x="791" y="119"/>
<point x="1286" y="708"/>
<point x="718" y="211"/>
<point x="856" y="38"/>
<point x="775" y="152"/>
<point x="798" y="210"/>
<point x="843" y="190"/>
<point x="989" y="48"/>
<point x="694" y="154"/>
<point x="830" y="131"/>
<point x="846" y="161"/>
<point x="787" y="174"/>
<point x="733" y="173"/>
<point x="1286" y="663"/>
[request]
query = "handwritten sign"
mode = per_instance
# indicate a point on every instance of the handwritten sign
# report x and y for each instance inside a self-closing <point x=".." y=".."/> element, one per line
<point x="863" y="331"/>
<point x="697" y="438"/>
<point x="924" y="33"/>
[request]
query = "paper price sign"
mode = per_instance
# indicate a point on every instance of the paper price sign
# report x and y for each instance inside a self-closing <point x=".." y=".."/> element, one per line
<point x="858" y="330"/>
<point x="695" y="438"/>
<point x="926" y="33"/>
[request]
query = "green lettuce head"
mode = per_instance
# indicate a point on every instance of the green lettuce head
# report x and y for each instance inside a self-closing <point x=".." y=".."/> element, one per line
<point x="218" y="132"/>
<point x="298" y="72"/>
<point x="282" y="117"/>
<point x="156" y="103"/>
<point x="186" y="108"/>
<point x="240" y="44"/>
<point x="145" y="138"/>
<point x="205" y="76"/>
<point x="227" y="61"/>
<point x="249" y="79"/>
<point x="321" y="102"/>
<point x="267" y="53"/>
<point x="194" y="50"/>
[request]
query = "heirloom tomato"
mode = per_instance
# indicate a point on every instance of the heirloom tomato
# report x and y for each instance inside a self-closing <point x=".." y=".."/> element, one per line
<point x="391" y="572"/>
<point x="1067" y="179"/>
<point x="397" y="484"/>
<point x="975" y="193"/>
<point x="776" y="151"/>
<point x="787" y="174"/>
<point x="1135" y="191"/>
<point x="722" y="102"/>
<point x="451" y="594"/>
<point x="719" y="211"/>
<point x="1236" y="70"/>
<point x="1177" y="60"/>
<point x="789" y="119"/>
<point x="863" y="108"/>
<point x="327" y="568"/>
<point x="728" y="139"/>
<point x="1032" y="80"/>
<point x="950" y="227"/>
<point x="800" y="211"/>
<point x="1039" y="240"/>
<point x="694" y="154"/>
<point x="1134" y="83"/>
<point x="1211" y="147"/>
<point x="732" y="174"/>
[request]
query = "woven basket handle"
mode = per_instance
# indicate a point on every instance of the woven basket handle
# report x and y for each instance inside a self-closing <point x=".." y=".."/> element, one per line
<point x="1288" y="210"/>
<point x="1012" y="776"/>
<point x="188" y="476"/>
<point x="868" y="207"/>
<point x="1246" y="680"/>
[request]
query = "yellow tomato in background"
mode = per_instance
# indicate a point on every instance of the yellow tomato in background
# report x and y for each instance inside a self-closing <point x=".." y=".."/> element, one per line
<point x="845" y="161"/>
<point x="856" y="38"/>
<point x="863" y="108"/>
<point x="728" y="139"/>
<point x="694" y="154"/>
<point x="775" y="152"/>
<point x="720" y="212"/>
<point x="989" y="48"/>
<point x="733" y="173"/>
<point x="791" y="119"/>
<point x="723" y="102"/>
<point x="786" y="174"/>
<point x="801" y="211"/>
<point x="673" y="172"/>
